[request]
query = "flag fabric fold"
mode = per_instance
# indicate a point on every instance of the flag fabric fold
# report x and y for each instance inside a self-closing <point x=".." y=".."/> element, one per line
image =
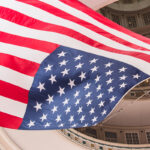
<point x="62" y="65"/>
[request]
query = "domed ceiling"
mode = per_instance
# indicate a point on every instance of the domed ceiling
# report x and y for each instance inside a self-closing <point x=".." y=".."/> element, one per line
<point x="97" y="4"/>
<point x="130" y="113"/>
<point x="130" y="5"/>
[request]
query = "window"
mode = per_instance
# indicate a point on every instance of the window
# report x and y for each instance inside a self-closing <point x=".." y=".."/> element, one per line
<point x="146" y="18"/>
<point x="132" y="138"/>
<point x="148" y="136"/>
<point x="131" y="21"/>
<point x="133" y="94"/>
<point x="111" y="136"/>
<point x="91" y="132"/>
<point x="116" y="19"/>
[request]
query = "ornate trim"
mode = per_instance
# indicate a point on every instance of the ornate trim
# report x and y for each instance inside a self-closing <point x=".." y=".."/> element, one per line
<point x="96" y="144"/>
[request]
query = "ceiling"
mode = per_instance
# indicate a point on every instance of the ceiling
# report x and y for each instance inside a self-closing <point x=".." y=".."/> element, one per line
<point x="132" y="113"/>
<point x="96" y="4"/>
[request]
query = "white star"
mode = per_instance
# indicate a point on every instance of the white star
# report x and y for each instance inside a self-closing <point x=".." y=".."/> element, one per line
<point x="68" y="110"/>
<point x="85" y="125"/>
<point x="47" y="125"/>
<point x="100" y="96"/>
<point x="48" y="68"/>
<point x="62" y="54"/>
<point x="99" y="87"/>
<point x="77" y="102"/>
<point x="54" y="109"/>
<point x="44" y="117"/>
<point x="89" y="102"/>
<point x="101" y="104"/>
<point x="52" y="79"/>
<point x="38" y="106"/>
<point x="94" y="69"/>
<point x="109" y="73"/>
<point x="108" y="65"/>
<point x="78" y="57"/>
<point x="61" y="125"/>
<point x="94" y="119"/>
<point x="122" y="85"/>
<point x="82" y="76"/>
<point x="123" y="69"/>
<point x="88" y="94"/>
<point x="65" y="72"/>
<point x="61" y="91"/>
<point x="50" y="99"/>
<point x="31" y="124"/>
<point x="63" y="63"/>
<point x="65" y="102"/>
<point x="136" y="76"/>
<point x="58" y="119"/>
<point x="41" y="86"/>
<point x="109" y="81"/>
<point x="97" y="79"/>
<point x="112" y="99"/>
<point x="93" y="61"/>
<point x="79" y="66"/>
<point x="76" y="94"/>
<point x="110" y="89"/>
<point x="79" y="110"/>
<point x="92" y="111"/>
<point x="123" y="77"/>
<point x="82" y="118"/>
<point x="71" y="119"/>
<point x="74" y="125"/>
<point x="71" y="83"/>
<point x="87" y="86"/>
<point x="104" y="112"/>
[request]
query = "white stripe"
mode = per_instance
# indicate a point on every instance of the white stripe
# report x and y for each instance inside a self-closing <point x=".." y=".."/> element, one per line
<point x="50" y="18"/>
<point x="16" y="78"/>
<point x="22" y="52"/>
<point x="12" y="107"/>
<point x="60" y="39"/>
<point x="86" y="17"/>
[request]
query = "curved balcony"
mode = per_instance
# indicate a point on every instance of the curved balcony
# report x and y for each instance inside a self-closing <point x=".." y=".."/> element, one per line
<point x="141" y="91"/>
<point x="96" y="144"/>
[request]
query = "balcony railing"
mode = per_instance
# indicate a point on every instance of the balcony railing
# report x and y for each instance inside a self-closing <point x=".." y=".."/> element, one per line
<point x="96" y="144"/>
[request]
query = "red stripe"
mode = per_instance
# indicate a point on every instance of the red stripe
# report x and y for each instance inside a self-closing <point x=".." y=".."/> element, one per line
<point x="54" y="28"/>
<point x="9" y="121"/>
<point x="67" y="16"/>
<point x="28" y="42"/>
<point x="13" y="92"/>
<point x="18" y="64"/>
<point x="79" y="6"/>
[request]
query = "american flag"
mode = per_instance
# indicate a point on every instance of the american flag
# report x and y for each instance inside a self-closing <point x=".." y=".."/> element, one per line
<point x="63" y="65"/>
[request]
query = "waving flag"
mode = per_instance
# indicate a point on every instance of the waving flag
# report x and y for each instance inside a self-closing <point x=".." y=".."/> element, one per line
<point x="64" y="65"/>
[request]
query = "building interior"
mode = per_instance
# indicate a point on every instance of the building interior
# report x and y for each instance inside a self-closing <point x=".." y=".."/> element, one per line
<point x="128" y="125"/>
